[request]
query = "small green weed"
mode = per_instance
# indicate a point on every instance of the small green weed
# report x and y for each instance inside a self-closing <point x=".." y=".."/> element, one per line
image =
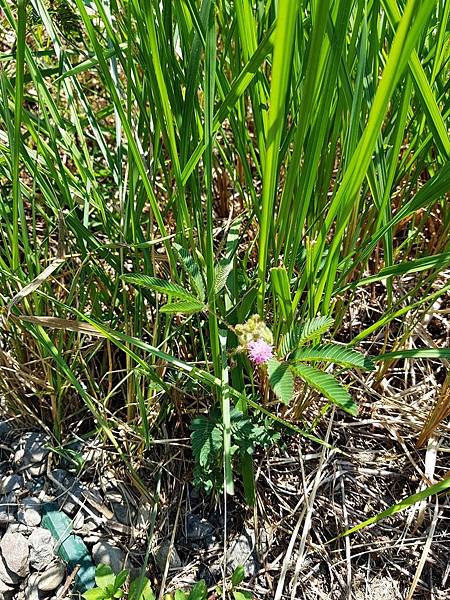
<point x="110" y="586"/>
<point x="207" y="443"/>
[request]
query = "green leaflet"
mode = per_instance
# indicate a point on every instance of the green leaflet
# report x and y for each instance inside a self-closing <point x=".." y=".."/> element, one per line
<point x="222" y="269"/>
<point x="302" y="333"/>
<point x="159" y="285"/>
<point x="142" y="584"/>
<point x="192" y="269"/>
<point x="104" y="576"/>
<point x="328" y="387"/>
<point x="335" y="354"/>
<point x="185" y="307"/>
<point x="281" y="380"/>
<point x="199" y="591"/>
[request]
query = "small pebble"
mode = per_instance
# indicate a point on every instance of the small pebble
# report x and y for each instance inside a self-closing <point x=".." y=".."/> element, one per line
<point x="52" y="577"/>
<point x="197" y="528"/>
<point x="29" y="517"/>
<point x="78" y="521"/>
<point x="104" y="552"/>
<point x="161" y="556"/>
<point x="10" y="484"/>
<point x="34" y="444"/>
<point x="37" y="469"/>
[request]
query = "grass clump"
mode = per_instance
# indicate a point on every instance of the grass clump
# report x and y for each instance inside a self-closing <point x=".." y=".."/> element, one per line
<point x="171" y="170"/>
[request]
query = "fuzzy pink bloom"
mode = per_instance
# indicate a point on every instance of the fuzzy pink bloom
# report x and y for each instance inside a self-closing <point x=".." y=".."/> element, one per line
<point x="259" y="352"/>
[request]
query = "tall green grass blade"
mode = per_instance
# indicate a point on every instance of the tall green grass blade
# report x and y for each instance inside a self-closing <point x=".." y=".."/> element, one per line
<point x="283" y="49"/>
<point x="437" y="488"/>
<point x="18" y="211"/>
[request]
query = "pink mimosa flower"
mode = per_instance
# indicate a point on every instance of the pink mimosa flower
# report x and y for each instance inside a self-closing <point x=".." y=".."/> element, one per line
<point x="259" y="352"/>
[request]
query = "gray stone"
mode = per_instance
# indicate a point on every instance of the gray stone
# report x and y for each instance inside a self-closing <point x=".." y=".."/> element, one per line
<point x="59" y="474"/>
<point x="10" y="484"/>
<point x="104" y="552"/>
<point x="34" y="444"/>
<point x="6" y="575"/>
<point x="198" y="529"/>
<point x="241" y="552"/>
<point x="52" y="577"/>
<point x="15" y="551"/>
<point x="161" y="556"/>
<point x="29" y="516"/>
<point x="124" y="512"/>
<point x="19" y="528"/>
<point x="41" y="548"/>
<point x="37" y="469"/>
<point x="30" y="502"/>
<point x="5" y="429"/>
<point x="18" y="456"/>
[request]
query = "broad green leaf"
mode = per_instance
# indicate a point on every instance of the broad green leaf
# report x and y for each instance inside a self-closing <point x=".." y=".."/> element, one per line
<point x="207" y="439"/>
<point x="281" y="380"/>
<point x="280" y="283"/>
<point x="437" y="488"/>
<point x="121" y="578"/>
<point x="95" y="594"/>
<point x="327" y="385"/>
<point x="238" y="575"/>
<point x="159" y="285"/>
<point x="335" y="354"/>
<point x="180" y="595"/>
<point x="140" y="589"/>
<point x="199" y="591"/>
<point x="104" y="576"/>
<point x="242" y="595"/>
<point x="186" y="307"/>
